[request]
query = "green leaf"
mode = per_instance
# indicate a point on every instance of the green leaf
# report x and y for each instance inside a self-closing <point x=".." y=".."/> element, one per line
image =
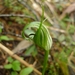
<point x="8" y="3"/>
<point x="61" y="37"/>
<point x="63" y="24"/>
<point x="71" y="29"/>
<point x="16" y="66"/>
<point x="14" y="73"/>
<point x="8" y="66"/>
<point x="30" y="50"/>
<point x="67" y="19"/>
<point x="0" y="30"/>
<point x="64" y="68"/>
<point x="1" y="27"/>
<point x="3" y="37"/>
<point x="17" y="8"/>
<point x="10" y="59"/>
<point x="20" y="20"/>
<point x="26" y="71"/>
<point x="35" y="52"/>
<point x="63" y="57"/>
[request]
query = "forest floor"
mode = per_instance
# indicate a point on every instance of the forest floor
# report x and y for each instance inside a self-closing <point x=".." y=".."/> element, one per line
<point x="60" y="19"/>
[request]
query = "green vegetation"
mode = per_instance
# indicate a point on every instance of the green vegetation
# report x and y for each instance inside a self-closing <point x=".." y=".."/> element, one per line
<point x="53" y="39"/>
<point x="16" y="68"/>
<point x="41" y="38"/>
<point x="3" y="37"/>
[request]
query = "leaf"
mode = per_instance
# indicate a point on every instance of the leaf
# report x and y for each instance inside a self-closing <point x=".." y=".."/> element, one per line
<point x="30" y="50"/>
<point x="63" y="57"/>
<point x="26" y="71"/>
<point x="20" y="20"/>
<point x="8" y="66"/>
<point x="10" y="59"/>
<point x="0" y="30"/>
<point x="16" y="66"/>
<point x="8" y="3"/>
<point x="64" y="68"/>
<point x="5" y="38"/>
<point x="59" y="6"/>
<point x="35" y="52"/>
<point x="1" y="27"/>
<point x="71" y="29"/>
<point x="61" y="37"/>
<point x="14" y="73"/>
<point x="63" y="24"/>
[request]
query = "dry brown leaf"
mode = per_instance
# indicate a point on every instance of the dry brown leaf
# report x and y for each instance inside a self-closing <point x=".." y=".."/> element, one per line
<point x="68" y="10"/>
<point x="22" y="45"/>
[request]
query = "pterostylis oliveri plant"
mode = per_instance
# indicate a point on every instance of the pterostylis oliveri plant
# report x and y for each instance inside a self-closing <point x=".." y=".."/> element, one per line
<point x="41" y="37"/>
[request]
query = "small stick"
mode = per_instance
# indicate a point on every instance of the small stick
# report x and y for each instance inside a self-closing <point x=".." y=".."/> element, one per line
<point x="18" y="58"/>
<point x="15" y="15"/>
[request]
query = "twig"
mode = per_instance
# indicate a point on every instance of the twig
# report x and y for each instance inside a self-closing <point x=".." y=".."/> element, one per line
<point x="18" y="58"/>
<point x="15" y="15"/>
<point x="58" y="30"/>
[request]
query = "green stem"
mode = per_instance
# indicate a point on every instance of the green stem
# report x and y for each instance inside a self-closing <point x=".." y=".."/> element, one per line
<point x="42" y="17"/>
<point x="45" y="62"/>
